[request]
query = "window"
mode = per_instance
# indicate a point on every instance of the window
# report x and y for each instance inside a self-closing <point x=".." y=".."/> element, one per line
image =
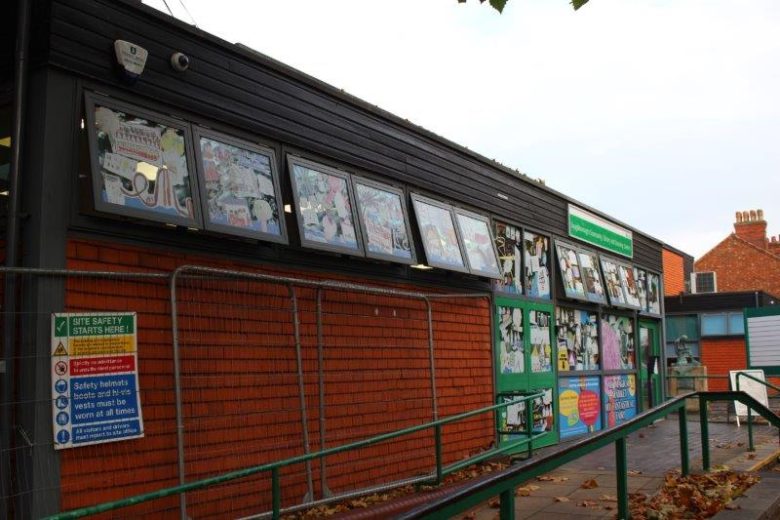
<point x="383" y="221"/>
<point x="723" y="324"/>
<point x="676" y="328"/>
<point x="508" y="245"/>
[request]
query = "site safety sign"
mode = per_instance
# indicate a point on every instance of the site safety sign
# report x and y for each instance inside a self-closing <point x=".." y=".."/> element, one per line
<point x="94" y="385"/>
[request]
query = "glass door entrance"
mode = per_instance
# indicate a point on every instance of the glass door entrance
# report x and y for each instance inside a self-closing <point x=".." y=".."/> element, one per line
<point x="649" y="359"/>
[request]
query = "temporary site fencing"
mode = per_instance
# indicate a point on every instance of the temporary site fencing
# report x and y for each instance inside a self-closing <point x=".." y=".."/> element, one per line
<point x="240" y="369"/>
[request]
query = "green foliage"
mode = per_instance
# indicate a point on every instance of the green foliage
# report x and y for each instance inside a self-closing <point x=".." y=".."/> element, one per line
<point x="576" y="4"/>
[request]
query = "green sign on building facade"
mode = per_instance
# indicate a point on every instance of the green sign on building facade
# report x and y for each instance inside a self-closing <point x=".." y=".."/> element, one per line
<point x="595" y="230"/>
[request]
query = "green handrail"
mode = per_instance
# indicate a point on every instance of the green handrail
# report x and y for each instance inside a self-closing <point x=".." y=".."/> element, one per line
<point x="502" y="483"/>
<point x="751" y="444"/>
<point x="274" y="467"/>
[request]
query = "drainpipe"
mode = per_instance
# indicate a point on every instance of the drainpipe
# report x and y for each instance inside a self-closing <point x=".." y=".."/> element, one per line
<point x="12" y="247"/>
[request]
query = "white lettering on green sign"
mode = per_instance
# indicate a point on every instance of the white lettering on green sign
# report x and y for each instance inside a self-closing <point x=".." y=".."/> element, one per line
<point x="597" y="231"/>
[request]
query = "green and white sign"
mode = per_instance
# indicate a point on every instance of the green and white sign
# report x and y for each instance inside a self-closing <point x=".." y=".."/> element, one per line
<point x="595" y="230"/>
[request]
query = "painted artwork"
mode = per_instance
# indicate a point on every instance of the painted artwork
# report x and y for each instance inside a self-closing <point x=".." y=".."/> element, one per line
<point x="513" y="418"/>
<point x="591" y="277"/>
<point x="640" y="275"/>
<point x="571" y="276"/>
<point x="536" y="274"/>
<point x="612" y="282"/>
<point x="578" y="339"/>
<point x="541" y="348"/>
<point x="478" y="244"/>
<point x="653" y="293"/>
<point x="630" y="288"/>
<point x="619" y="399"/>
<point x="617" y="342"/>
<point x="438" y="234"/>
<point x="324" y="208"/>
<point x="510" y="342"/>
<point x="579" y="405"/>
<point x="142" y="166"/>
<point x="508" y="244"/>
<point x="240" y="188"/>
<point x="383" y="217"/>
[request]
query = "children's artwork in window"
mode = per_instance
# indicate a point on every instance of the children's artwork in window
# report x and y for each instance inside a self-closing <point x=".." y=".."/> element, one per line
<point x="478" y="244"/>
<point x="591" y="277"/>
<point x="513" y="418"/>
<point x="640" y="276"/>
<point x="570" y="272"/>
<point x="140" y="165"/>
<point x="438" y="234"/>
<point x="653" y="293"/>
<point x="578" y="339"/>
<point x="383" y="219"/>
<point x="508" y="247"/>
<point x="325" y="216"/>
<point x="630" y="288"/>
<point x="617" y="342"/>
<point x="612" y="281"/>
<point x="541" y="348"/>
<point x="619" y="398"/>
<point x="536" y="251"/>
<point x="510" y="342"/>
<point x="241" y="188"/>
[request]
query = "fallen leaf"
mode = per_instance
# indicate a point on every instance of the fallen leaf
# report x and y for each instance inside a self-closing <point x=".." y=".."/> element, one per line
<point x="561" y="499"/>
<point x="731" y="506"/>
<point x="608" y="498"/>
<point x="523" y="492"/>
<point x="751" y="456"/>
<point x="634" y="472"/>
<point x="641" y="435"/>
<point x="588" y="503"/>
<point x="495" y="503"/>
<point x="589" y="484"/>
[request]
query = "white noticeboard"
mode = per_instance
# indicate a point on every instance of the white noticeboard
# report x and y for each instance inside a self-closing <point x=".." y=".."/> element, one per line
<point x="94" y="368"/>
<point x="753" y="388"/>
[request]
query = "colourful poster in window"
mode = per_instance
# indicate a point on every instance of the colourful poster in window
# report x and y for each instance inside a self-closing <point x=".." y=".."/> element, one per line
<point x="653" y="293"/>
<point x="437" y="231"/>
<point x="578" y="339"/>
<point x="579" y="405"/>
<point x="508" y="243"/>
<point x="591" y="277"/>
<point x="510" y="344"/>
<point x="326" y="220"/>
<point x="241" y="188"/>
<point x="570" y="272"/>
<point x="630" y="288"/>
<point x="640" y="275"/>
<point x="478" y="244"/>
<point x="513" y="418"/>
<point x="619" y="398"/>
<point x="383" y="217"/>
<point x="536" y="251"/>
<point x="141" y="166"/>
<point x="612" y="281"/>
<point x="617" y="342"/>
<point x="541" y="349"/>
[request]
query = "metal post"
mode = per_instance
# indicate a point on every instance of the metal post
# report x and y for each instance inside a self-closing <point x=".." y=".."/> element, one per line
<point x="507" y="511"/>
<point x="705" y="434"/>
<point x="621" y="475"/>
<point x="529" y="420"/>
<point x="432" y="360"/>
<point x="751" y="446"/>
<point x="276" y="494"/>
<point x="685" y="465"/>
<point x="177" y="394"/>
<point x="326" y="493"/>
<point x="439" y="465"/>
<point x="301" y="395"/>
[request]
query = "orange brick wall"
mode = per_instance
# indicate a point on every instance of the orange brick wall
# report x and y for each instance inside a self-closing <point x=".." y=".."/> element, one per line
<point x="674" y="273"/>
<point x="720" y="356"/>
<point x="240" y="386"/>
<point x="742" y="267"/>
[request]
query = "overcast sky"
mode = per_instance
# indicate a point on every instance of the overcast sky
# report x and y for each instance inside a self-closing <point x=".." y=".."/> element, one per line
<point x="662" y="113"/>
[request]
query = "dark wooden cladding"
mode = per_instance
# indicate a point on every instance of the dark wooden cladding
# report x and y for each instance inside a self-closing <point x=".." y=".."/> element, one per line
<point x="230" y="86"/>
<point x="706" y="302"/>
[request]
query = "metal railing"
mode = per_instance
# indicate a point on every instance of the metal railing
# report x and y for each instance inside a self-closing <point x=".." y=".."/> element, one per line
<point x="503" y="483"/>
<point x="751" y="445"/>
<point x="275" y="467"/>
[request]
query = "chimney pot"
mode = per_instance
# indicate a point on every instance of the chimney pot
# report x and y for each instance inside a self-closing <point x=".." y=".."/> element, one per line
<point x="760" y="214"/>
<point x="745" y="216"/>
<point x="739" y="217"/>
<point x="753" y="217"/>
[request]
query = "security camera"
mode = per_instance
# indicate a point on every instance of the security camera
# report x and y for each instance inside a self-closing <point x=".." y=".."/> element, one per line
<point x="180" y="61"/>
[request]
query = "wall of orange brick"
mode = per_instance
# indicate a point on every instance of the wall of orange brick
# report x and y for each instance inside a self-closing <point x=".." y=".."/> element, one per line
<point x="742" y="267"/>
<point x="674" y="273"/>
<point x="240" y="385"/>
<point x="722" y="355"/>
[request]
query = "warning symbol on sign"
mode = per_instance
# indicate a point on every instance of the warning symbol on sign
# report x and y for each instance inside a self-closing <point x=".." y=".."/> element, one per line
<point x="60" y="350"/>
